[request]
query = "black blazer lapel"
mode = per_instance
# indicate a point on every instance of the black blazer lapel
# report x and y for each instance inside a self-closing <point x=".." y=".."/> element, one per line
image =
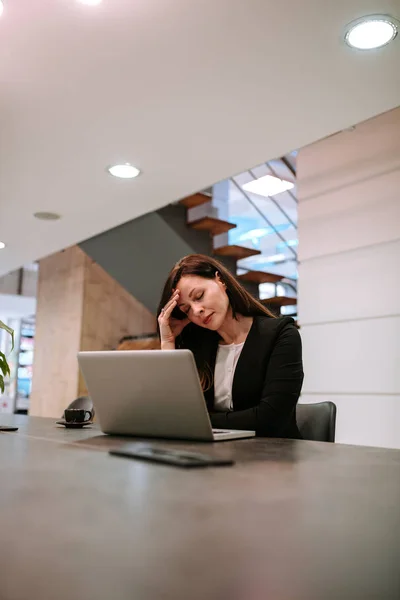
<point x="252" y="365"/>
<point x="249" y="370"/>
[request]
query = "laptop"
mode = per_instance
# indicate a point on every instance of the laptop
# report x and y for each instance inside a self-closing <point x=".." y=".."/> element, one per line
<point x="150" y="394"/>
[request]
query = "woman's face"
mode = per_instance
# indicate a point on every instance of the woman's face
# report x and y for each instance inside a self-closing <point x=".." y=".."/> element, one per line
<point x="204" y="301"/>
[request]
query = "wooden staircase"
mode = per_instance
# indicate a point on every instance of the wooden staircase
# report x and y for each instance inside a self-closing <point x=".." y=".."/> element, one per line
<point x="279" y="301"/>
<point x="195" y="200"/>
<point x="215" y="226"/>
<point x="212" y="225"/>
<point x="260" y="277"/>
<point x="236" y="252"/>
<point x="276" y="302"/>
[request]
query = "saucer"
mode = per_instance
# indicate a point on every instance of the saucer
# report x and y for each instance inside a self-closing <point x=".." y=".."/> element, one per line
<point x="73" y="425"/>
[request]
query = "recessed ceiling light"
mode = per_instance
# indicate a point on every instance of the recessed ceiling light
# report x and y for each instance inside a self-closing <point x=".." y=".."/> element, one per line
<point x="2" y="245"/>
<point x="125" y="171"/>
<point x="47" y="216"/>
<point x="374" y="31"/>
<point x="90" y="2"/>
<point x="268" y="186"/>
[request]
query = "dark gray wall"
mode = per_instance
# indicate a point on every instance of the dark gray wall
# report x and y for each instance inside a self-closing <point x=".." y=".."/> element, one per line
<point x="140" y="253"/>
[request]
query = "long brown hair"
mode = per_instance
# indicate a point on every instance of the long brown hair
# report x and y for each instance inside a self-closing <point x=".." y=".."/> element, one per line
<point x="199" y="340"/>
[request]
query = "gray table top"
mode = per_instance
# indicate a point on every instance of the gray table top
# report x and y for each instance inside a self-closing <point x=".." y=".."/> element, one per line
<point x="290" y="520"/>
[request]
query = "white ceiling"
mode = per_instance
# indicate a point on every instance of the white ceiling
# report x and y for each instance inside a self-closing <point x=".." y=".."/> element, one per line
<point x="190" y="92"/>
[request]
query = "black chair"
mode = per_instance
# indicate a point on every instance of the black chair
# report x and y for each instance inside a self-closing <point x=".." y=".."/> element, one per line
<point x="317" y="422"/>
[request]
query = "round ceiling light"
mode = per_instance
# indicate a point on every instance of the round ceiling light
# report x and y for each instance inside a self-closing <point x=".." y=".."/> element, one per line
<point x="125" y="171"/>
<point x="2" y="245"/>
<point x="369" y="33"/>
<point x="47" y="216"/>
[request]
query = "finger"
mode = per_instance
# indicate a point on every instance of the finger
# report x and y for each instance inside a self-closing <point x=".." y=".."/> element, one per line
<point x="173" y="299"/>
<point x="167" y="311"/>
<point x="165" y="308"/>
<point x="174" y="296"/>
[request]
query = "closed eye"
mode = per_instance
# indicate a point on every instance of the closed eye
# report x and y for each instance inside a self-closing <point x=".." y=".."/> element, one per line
<point x="185" y="309"/>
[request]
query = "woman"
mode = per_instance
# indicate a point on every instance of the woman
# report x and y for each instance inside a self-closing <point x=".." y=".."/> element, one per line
<point x="249" y="362"/>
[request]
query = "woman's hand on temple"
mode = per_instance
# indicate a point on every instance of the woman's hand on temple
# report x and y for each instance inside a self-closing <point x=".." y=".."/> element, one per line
<point x="170" y="327"/>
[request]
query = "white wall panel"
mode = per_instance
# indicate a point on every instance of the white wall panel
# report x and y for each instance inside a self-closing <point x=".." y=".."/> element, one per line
<point x="362" y="283"/>
<point x="369" y="225"/>
<point x="342" y="160"/>
<point x="370" y="188"/>
<point x="16" y="307"/>
<point x="349" y="277"/>
<point x="352" y="357"/>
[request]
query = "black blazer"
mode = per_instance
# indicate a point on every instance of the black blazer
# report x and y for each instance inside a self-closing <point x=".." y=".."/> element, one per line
<point x="267" y="381"/>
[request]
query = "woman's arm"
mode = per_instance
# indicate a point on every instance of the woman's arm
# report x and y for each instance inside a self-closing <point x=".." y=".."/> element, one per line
<point x="281" y="390"/>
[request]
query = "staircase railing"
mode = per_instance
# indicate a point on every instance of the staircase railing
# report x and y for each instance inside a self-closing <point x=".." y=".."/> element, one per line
<point x="289" y="281"/>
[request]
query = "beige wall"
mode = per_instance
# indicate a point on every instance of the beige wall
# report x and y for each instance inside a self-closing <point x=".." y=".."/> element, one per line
<point x="10" y="283"/>
<point x="109" y="313"/>
<point x="79" y="307"/>
<point x="349" y="278"/>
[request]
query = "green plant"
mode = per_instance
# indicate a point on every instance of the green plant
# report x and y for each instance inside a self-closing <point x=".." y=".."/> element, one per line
<point x="4" y="368"/>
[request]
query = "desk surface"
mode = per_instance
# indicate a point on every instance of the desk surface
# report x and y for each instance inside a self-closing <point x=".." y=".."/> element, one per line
<point x="291" y="520"/>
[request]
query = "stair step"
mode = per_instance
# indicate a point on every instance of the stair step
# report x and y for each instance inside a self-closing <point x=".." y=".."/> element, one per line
<point x="279" y="301"/>
<point x="211" y="224"/>
<point x="237" y="252"/>
<point x="260" y="277"/>
<point x="195" y="200"/>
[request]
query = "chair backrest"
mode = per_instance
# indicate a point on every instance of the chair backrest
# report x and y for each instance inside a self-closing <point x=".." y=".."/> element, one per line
<point x="317" y="422"/>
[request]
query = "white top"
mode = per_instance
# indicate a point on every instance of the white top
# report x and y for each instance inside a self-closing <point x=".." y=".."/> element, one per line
<point x="227" y="358"/>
